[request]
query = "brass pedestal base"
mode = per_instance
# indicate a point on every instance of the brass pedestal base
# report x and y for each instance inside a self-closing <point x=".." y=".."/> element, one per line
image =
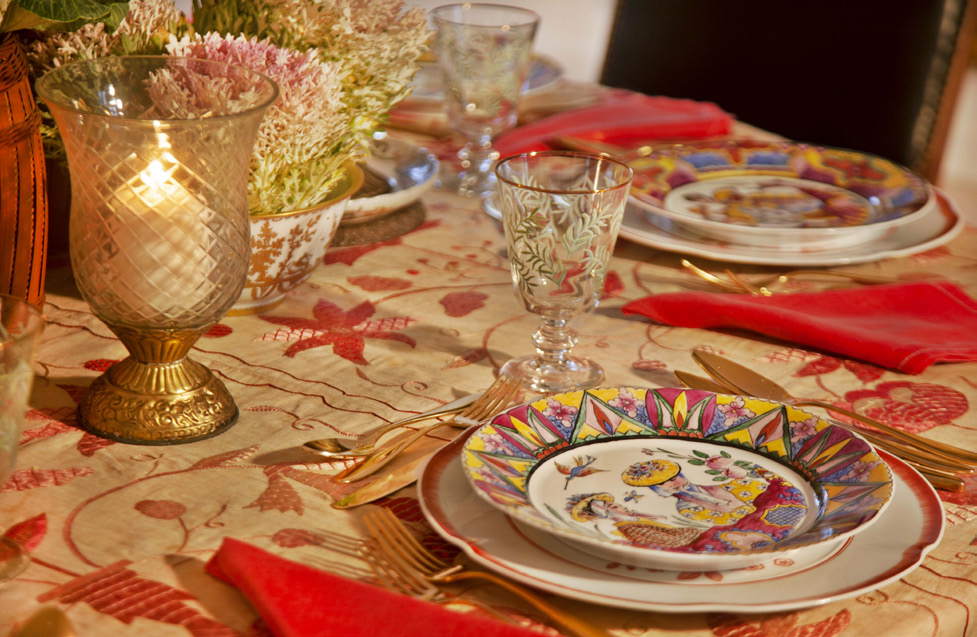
<point x="157" y="396"/>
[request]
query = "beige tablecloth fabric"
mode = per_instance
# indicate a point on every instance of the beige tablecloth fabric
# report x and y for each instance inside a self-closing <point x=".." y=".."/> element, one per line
<point x="119" y="533"/>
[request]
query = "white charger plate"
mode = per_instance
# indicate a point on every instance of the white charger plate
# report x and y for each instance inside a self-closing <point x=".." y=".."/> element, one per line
<point x="905" y="533"/>
<point x="408" y="170"/>
<point x="936" y="227"/>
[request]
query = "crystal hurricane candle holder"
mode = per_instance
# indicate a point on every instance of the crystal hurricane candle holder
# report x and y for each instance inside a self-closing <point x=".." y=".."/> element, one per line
<point x="158" y="151"/>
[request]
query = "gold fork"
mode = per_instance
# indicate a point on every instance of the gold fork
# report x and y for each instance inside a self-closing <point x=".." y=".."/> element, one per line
<point x="736" y="283"/>
<point x="413" y="568"/>
<point x="494" y="398"/>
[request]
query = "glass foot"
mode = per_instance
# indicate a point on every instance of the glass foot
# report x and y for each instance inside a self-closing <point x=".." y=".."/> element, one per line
<point x="14" y="558"/>
<point x="548" y="378"/>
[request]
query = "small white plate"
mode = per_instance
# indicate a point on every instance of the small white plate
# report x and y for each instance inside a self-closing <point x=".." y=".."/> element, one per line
<point x="936" y="227"/>
<point x="906" y="532"/>
<point x="678" y="479"/>
<point x="409" y="171"/>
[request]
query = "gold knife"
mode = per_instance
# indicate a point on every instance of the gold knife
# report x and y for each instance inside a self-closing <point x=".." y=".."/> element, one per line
<point x="394" y="481"/>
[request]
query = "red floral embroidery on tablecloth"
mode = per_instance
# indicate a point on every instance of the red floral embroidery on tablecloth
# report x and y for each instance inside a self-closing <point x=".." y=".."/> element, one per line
<point x="48" y="429"/>
<point x="648" y="365"/>
<point x="218" y="331"/>
<point x="294" y="538"/>
<point x="121" y="593"/>
<point x="350" y="255"/>
<point x="27" y="479"/>
<point x="344" y="331"/>
<point x="613" y="285"/>
<point x="379" y="283"/>
<point x="728" y="625"/>
<point x="470" y="357"/>
<point x="458" y="304"/>
<point x="29" y="533"/>
<point x="827" y="364"/>
<point x="100" y="364"/>
<point x="278" y="496"/>
<point x="90" y="443"/>
<point x="225" y="458"/>
<point x="161" y="509"/>
<point x="911" y="406"/>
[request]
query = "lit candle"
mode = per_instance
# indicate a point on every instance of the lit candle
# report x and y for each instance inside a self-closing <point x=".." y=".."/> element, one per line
<point x="163" y="242"/>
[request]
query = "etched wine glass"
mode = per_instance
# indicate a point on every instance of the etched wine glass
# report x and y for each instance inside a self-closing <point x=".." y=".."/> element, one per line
<point x="21" y="325"/>
<point x="561" y="212"/>
<point x="483" y="51"/>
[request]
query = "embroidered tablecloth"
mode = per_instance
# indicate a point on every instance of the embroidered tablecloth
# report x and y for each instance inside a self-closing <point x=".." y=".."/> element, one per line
<point x="119" y="533"/>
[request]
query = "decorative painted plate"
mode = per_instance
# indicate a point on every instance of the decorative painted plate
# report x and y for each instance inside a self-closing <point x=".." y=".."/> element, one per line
<point x="909" y="528"/>
<point x="760" y="192"/>
<point x="397" y="174"/>
<point x="678" y="479"/>
<point x="930" y="230"/>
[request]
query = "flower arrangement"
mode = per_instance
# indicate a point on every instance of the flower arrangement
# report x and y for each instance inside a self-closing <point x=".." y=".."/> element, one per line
<point x="341" y="66"/>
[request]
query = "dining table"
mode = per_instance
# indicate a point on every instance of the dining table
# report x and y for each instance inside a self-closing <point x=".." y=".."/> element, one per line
<point x="392" y="324"/>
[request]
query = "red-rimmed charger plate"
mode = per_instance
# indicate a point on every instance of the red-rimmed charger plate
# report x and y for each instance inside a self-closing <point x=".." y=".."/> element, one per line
<point x="895" y="545"/>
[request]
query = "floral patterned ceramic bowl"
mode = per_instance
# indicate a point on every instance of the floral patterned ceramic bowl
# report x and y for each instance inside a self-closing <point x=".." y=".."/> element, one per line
<point x="678" y="479"/>
<point x="779" y="193"/>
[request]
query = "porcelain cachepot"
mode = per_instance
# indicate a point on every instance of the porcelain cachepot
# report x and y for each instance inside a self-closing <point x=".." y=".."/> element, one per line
<point x="286" y="247"/>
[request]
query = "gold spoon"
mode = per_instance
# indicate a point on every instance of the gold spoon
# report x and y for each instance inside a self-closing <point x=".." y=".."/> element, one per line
<point x="749" y="382"/>
<point x="340" y="448"/>
<point x="945" y="474"/>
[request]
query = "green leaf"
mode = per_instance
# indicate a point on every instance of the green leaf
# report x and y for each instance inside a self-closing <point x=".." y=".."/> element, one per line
<point x="701" y="454"/>
<point x="57" y="15"/>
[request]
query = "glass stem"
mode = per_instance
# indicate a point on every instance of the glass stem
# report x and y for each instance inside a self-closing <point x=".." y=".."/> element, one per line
<point x="477" y="160"/>
<point x="554" y="340"/>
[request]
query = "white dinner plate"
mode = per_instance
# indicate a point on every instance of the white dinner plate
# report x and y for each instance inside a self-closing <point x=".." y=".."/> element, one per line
<point x="906" y="532"/>
<point x="932" y="229"/>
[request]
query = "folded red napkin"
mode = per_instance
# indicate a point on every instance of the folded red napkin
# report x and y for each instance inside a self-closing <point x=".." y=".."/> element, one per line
<point x="299" y="601"/>
<point x="621" y="118"/>
<point x="904" y="326"/>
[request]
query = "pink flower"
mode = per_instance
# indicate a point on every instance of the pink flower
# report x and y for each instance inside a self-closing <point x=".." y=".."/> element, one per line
<point x="803" y="430"/>
<point x="565" y="414"/>
<point x="626" y="403"/>
<point x="734" y="410"/>
<point x="858" y="471"/>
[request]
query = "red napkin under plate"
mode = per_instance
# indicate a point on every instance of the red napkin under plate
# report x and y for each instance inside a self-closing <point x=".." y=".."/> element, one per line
<point x="299" y="601"/>
<point x="621" y="118"/>
<point x="903" y="326"/>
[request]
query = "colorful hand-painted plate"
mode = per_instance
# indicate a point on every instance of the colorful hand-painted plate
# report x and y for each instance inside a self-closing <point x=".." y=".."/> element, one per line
<point x="762" y="193"/>
<point x="931" y="230"/>
<point x="910" y="527"/>
<point x="678" y="479"/>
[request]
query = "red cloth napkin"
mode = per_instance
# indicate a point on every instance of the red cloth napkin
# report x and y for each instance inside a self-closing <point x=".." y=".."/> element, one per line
<point x="904" y="326"/>
<point x="622" y="118"/>
<point x="300" y="601"/>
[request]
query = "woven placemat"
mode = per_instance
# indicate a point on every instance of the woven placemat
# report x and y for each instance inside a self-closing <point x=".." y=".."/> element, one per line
<point x="389" y="226"/>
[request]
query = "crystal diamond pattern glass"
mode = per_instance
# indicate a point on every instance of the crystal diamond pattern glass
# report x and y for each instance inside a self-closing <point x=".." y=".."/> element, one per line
<point x="158" y="150"/>
<point x="561" y="213"/>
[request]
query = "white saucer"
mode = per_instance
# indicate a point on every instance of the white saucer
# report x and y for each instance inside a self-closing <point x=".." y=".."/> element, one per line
<point x="932" y="229"/>
<point x="907" y="531"/>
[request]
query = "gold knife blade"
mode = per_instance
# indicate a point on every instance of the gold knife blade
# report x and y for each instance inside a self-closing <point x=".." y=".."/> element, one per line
<point x="393" y="481"/>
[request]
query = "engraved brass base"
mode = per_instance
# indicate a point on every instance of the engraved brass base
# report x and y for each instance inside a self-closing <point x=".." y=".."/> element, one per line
<point x="157" y="396"/>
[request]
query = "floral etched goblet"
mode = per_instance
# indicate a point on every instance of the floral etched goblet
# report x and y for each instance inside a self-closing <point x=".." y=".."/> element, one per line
<point x="158" y="150"/>
<point x="483" y="51"/>
<point x="561" y="213"/>
<point x="21" y="325"/>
